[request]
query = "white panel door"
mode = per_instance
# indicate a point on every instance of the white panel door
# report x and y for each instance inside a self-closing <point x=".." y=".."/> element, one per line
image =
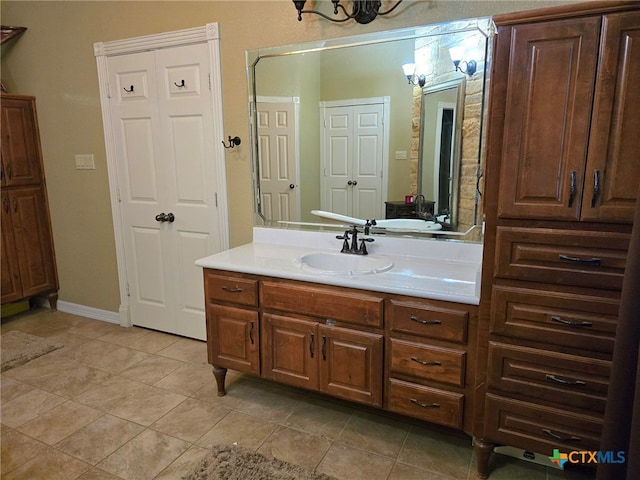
<point x="279" y="183"/>
<point x="353" y="139"/>
<point x="162" y="122"/>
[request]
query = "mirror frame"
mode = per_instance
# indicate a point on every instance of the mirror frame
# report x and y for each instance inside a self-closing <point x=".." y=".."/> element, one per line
<point x="460" y="84"/>
<point x="482" y="25"/>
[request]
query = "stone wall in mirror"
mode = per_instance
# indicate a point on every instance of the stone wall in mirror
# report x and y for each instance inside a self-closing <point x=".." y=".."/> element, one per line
<point x="337" y="126"/>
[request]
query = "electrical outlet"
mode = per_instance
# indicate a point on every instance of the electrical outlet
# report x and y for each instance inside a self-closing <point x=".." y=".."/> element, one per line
<point x="85" y="161"/>
<point x="401" y="154"/>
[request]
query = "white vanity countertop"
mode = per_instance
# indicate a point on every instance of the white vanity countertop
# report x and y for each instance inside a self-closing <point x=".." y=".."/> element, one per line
<point x="425" y="268"/>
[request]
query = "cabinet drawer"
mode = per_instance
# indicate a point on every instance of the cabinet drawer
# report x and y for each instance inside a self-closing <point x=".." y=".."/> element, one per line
<point x="551" y="376"/>
<point x="555" y="317"/>
<point x="437" y="406"/>
<point x="539" y="429"/>
<point x="565" y="257"/>
<point x="345" y="305"/>
<point x="430" y="363"/>
<point x="428" y="321"/>
<point x="230" y="288"/>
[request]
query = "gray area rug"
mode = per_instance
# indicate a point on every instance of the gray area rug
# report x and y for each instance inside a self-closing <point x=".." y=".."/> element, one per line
<point x="17" y="348"/>
<point x="231" y="462"/>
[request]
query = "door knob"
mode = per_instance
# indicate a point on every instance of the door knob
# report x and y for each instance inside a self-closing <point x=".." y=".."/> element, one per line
<point x="165" y="217"/>
<point x="349" y="182"/>
<point x="292" y="186"/>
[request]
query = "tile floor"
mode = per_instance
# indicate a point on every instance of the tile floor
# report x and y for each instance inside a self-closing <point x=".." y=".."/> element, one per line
<point x="130" y="403"/>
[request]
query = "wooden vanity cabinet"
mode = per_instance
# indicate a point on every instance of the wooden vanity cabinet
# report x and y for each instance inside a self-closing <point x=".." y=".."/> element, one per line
<point x="28" y="259"/>
<point x="562" y="178"/>
<point x="404" y="354"/>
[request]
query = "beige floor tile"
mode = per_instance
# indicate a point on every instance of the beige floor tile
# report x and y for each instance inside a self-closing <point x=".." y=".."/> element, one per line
<point x="508" y="468"/>
<point x="266" y="401"/>
<point x="238" y="428"/>
<point x="145" y="456"/>
<point x="320" y="417"/>
<point x="15" y="412"/>
<point x="97" y="474"/>
<point x="147" y="406"/>
<point x="375" y="433"/>
<point x="575" y="473"/>
<point x="191" y="419"/>
<point x="100" y="438"/>
<point x="152" y="342"/>
<point x="187" y="379"/>
<point x="51" y="464"/>
<point x="10" y="389"/>
<point x="439" y="452"/>
<point x="124" y="336"/>
<point x="59" y="422"/>
<point x="186" y="350"/>
<point x="93" y="329"/>
<point x="348" y="463"/>
<point x="152" y="369"/>
<point x="184" y="464"/>
<point x="401" y="471"/>
<point x="106" y="356"/>
<point x="18" y="449"/>
<point x="111" y="393"/>
<point x="296" y="447"/>
<point x="62" y="377"/>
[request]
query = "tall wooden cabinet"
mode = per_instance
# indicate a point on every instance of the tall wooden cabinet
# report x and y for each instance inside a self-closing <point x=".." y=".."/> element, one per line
<point x="563" y="173"/>
<point x="28" y="260"/>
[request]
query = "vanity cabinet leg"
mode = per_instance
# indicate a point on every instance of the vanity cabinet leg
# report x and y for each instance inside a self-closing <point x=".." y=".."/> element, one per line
<point x="220" y="373"/>
<point x="483" y="452"/>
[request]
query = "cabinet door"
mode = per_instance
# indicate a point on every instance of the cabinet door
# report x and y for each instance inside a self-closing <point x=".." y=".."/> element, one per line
<point x="550" y="81"/>
<point x="32" y="234"/>
<point x="11" y="289"/>
<point x="290" y="351"/>
<point x="351" y="364"/>
<point x="233" y="338"/>
<point x="20" y="142"/>
<point x="613" y="168"/>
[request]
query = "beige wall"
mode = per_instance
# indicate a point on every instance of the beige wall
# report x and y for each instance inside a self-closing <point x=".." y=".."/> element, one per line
<point x="53" y="60"/>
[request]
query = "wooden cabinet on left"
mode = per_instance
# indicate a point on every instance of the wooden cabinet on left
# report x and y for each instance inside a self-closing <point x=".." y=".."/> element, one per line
<point x="28" y="259"/>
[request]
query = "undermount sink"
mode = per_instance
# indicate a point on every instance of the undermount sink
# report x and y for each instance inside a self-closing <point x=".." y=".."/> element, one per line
<point x="344" y="264"/>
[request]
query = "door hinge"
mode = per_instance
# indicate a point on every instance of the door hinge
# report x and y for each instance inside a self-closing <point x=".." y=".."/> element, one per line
<point x="118" y="195"/>
<point x="127" y="290"/>
<point x="209" y="75"/>
<point x="216" y="197"/>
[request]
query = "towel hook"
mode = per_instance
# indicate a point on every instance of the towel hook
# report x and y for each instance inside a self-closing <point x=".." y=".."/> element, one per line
<point x="128" y="91"/>
<point x="180" y="85"/>
<point x="232" y="142"/>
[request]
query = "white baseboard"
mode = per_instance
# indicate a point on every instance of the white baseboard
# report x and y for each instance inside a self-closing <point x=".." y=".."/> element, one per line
<point x="89" y="312"/>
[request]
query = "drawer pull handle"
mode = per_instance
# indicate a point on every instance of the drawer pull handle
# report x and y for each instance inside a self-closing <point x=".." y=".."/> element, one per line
<point x="312" y="345"/>
<point x="594" y="260"/>
<point x="596" y="188"/>
<point x="251" y="332"/>
<point x="232" y="289"/>
<point x="572" y="188"/>
<point x="324" y="347"/>
<point x="425" y="363"/>
<point x="424" y="405"/>
<point x="426" y="322"/>
<point x="570" y="438"/>
<point x="565" y="381"/>
<point x="571" y="324"/>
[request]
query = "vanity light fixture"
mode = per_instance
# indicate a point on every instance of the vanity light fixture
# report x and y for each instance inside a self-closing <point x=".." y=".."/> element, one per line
<point x="362" y="11"/>
<point x="409" y="70"/>
<point x="457" y="55"/>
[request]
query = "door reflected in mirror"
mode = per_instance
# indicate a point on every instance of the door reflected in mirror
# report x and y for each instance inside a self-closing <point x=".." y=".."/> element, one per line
<point x="337" y="127"/>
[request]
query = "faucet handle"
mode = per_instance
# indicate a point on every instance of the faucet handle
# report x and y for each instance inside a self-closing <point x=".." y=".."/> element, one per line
<point x="345" y="244"/>
<point x="363" y="245"/>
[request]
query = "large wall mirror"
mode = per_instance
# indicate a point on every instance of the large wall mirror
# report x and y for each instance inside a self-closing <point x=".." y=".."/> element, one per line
<point x="339" y="126"/>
